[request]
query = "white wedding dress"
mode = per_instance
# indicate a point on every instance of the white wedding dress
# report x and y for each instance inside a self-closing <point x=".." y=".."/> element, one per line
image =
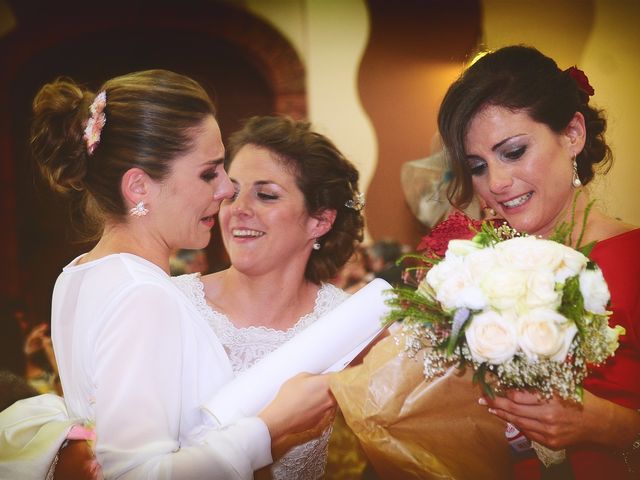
<point x="246" y="346"/>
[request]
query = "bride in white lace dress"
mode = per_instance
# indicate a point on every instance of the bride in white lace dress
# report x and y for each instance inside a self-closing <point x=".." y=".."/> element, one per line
<point x="294" y="220"/>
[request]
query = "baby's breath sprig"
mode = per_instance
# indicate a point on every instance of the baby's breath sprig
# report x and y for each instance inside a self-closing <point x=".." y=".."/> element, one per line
<point x="489" y="234"/>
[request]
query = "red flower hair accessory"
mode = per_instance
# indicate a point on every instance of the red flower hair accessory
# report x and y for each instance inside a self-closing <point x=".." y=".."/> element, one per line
<point x="96" y="122"/>
<point x="581" y="79"/>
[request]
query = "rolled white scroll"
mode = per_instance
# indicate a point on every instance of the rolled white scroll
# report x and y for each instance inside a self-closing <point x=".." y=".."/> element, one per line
<point x="327" y="345"/>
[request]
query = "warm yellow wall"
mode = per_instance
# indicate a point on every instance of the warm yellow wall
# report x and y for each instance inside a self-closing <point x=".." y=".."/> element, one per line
<point x="612" y="56"/>
<point x="602" y="38"/>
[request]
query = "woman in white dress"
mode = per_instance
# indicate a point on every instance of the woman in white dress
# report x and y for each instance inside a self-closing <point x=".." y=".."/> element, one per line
<point x="144" y="158"/>
<point x="295" y="218"/>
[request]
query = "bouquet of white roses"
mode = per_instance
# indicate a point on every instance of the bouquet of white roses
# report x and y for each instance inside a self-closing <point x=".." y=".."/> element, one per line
<point x="521" y="311"/>
<point x="530" y="311"/>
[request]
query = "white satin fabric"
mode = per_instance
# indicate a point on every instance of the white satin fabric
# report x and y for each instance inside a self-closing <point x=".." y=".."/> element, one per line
<point x="31" y="432"/>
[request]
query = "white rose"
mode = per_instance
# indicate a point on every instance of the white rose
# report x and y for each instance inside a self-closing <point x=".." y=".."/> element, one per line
<point x="480" y="262"/>
<point x="491" y="337"/>
<point x="573" y="262"/>
<point x="545" y="334"/>
<point x="541" y="291"/>
<point x="443" y="270"/>
<point x="594" y="291"/>
<point x="504" y="287"/>
<point x="459" y="290"/>
<point x="461" y="248"/>
<point x="530" y="253"/>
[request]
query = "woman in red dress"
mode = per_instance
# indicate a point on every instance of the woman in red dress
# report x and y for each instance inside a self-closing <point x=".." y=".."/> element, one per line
<point x="522" y="136"/>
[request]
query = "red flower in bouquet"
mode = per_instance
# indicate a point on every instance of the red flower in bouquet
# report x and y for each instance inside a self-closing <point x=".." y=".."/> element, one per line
<point x="457" y="226"/>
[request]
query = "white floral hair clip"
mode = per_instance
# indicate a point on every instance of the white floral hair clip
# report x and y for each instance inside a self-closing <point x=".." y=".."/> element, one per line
<point x="357" y="203"/>
<point x="96" y="122"/>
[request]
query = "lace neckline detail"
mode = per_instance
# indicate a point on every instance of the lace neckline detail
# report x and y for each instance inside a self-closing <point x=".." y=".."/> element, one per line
<point x="302" y="322"/>
<point x="246" y="345"/>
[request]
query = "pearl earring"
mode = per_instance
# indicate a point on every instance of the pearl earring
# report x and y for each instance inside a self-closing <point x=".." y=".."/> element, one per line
<point x="576" y="178"/>
<point x="139" y="210"/>
<point x="316" y="245"/>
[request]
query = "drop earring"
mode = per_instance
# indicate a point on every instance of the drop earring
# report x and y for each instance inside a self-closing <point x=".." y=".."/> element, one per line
<point x="139" y="210"/>
<point x="576" y="178"/>
<point x="316" y="245"/>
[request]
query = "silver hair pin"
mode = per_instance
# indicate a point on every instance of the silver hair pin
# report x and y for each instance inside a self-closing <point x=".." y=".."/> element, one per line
<point x="357" y="203"/>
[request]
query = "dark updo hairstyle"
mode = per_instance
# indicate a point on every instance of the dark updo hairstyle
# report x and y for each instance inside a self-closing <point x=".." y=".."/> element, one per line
<point x="519" y="78"/>
<point x="150" y="117"/>
<point x="324" y="176"/>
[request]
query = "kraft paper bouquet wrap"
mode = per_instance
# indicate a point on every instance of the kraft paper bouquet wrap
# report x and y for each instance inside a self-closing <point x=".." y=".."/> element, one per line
<point x="411" y="428"/>
<point x="491" y="311"/>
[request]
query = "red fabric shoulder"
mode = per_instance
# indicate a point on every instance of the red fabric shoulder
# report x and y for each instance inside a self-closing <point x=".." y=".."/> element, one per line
<point x="617" y="379"/>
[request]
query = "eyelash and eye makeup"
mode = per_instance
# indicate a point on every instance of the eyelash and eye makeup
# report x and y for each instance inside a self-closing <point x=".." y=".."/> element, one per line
<point x="516" y="153"/>
<point x="212" y="172"/>
<point x="478" y="169"/>
<point x="478" y="166"/>
<point x="267" y="196"/>
<point x="209" y="175"/>
<point x="259" y="194"/>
